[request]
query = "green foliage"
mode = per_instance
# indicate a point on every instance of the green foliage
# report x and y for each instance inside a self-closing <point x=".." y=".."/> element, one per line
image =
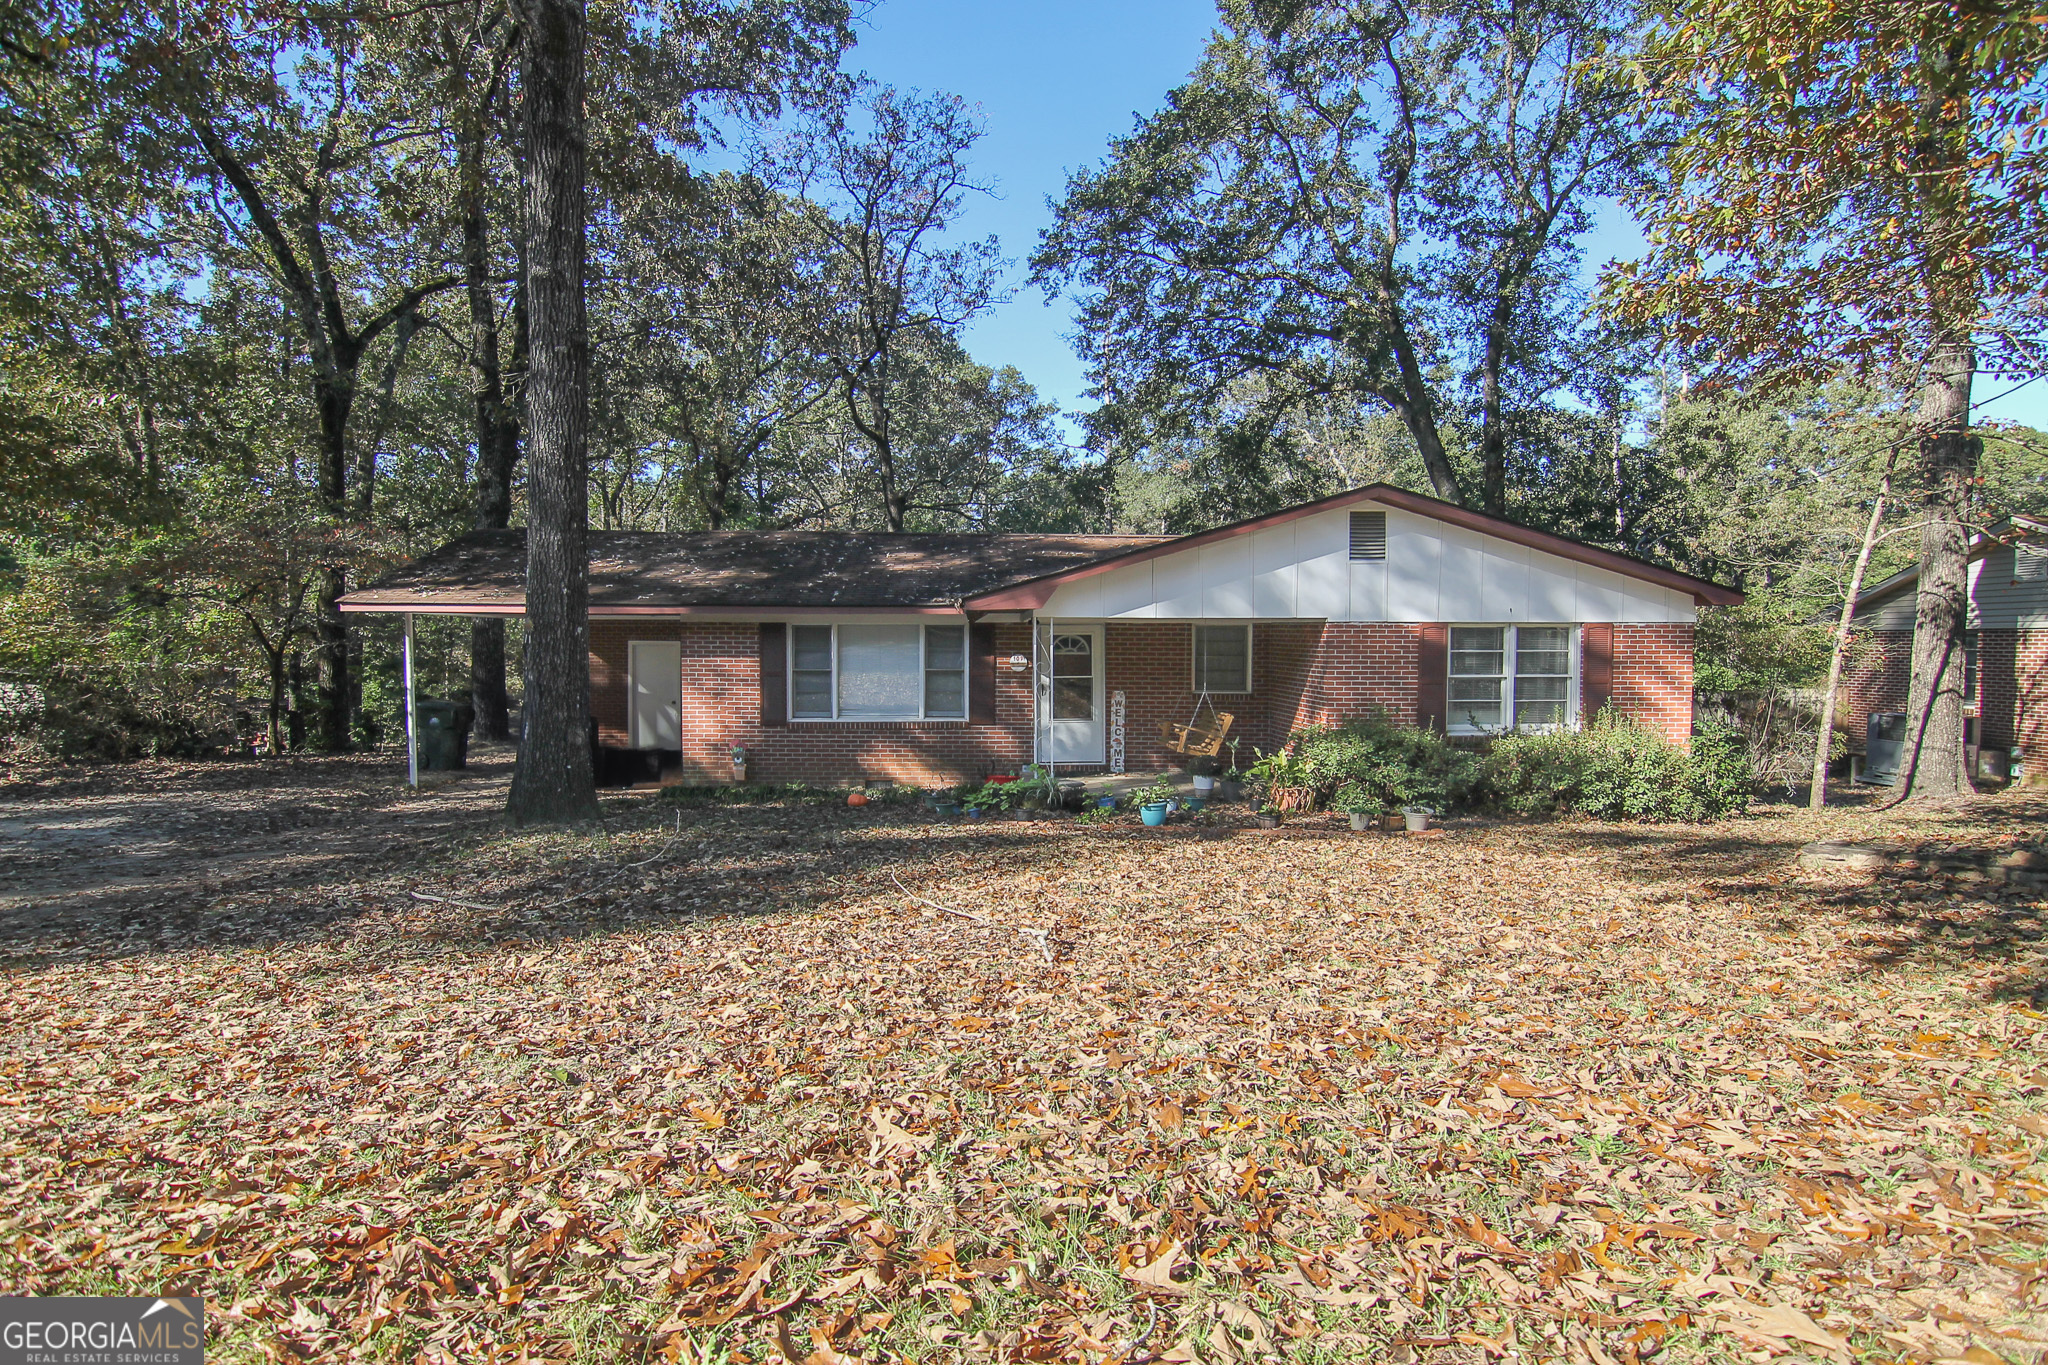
<point x="1159" y="791"/>
<point x="1355" y="799"/>
<point x="1614" y="769"/>
<point x="997" y="796"/>
<point x="1389" y="766"/>
<point x="1349" y="210"/>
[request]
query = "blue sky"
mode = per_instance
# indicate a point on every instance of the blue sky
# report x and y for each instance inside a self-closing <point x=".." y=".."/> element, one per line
<point x="1055" y="80"/>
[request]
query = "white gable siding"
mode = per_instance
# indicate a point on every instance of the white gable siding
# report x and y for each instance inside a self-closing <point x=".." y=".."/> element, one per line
<point x="1302" y="570"/>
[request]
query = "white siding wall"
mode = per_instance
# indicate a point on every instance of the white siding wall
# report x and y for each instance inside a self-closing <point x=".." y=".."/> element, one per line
<point x="1302" y="570"/>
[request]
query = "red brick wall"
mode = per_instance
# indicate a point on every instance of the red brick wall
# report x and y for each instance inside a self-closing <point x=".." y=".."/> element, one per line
<point x="2012" y="673"/>
<point x="1152" y="664"/>
<point x="1302" y="674"/>
<point x="1362" y="667"/>
<point x="1653" y="677"/>
<point x="2012" y="683"/>
<point x="721" y="707"/>
<point x="1874" y="678"/>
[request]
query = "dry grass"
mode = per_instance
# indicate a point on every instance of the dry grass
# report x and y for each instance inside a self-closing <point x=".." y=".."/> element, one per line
<point x="719" y="1091"/>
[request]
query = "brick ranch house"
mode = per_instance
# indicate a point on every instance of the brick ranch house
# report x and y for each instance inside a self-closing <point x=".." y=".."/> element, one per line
<point x="2005" y="648"/>
<point x="938" y="658"/>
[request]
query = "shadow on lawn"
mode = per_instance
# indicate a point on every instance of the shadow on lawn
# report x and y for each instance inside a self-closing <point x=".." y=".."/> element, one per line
<point x="726" y="861"/>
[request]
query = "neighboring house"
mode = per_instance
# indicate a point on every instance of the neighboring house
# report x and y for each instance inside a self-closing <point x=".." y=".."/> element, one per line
<point x="2005" y="648"/>
<point x="935" y="658"/>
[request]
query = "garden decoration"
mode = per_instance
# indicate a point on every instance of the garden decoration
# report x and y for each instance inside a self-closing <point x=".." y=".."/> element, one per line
<point x="1195" y="740"/>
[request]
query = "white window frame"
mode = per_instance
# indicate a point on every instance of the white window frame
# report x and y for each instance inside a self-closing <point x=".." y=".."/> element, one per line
<point x="1511" y="648"/>
<point x="924" y="629"/>
<point x="1195" y="653"/>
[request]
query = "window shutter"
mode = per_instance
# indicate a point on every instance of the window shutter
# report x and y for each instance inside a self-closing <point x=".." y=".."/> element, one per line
<point x="1596" y="668"/>
<point x="1432" y="670"/>
<point x="1368" y="535"/>
<point x="981" y="675"/>
<point x="774" y="673"/>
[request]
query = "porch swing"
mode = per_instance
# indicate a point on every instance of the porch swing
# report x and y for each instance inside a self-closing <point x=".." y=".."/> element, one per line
<point x="1196" y="740"/>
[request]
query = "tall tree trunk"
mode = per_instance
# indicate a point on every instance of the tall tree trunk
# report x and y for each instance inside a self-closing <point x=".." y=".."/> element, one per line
<point x="497" y="435"/>
<point x="1493" y="440"/>
<point x="330" y="629"/>
<point x="1818" y="797"/>
<point x="554" y="781"/>
<point x="1932" y="765"/>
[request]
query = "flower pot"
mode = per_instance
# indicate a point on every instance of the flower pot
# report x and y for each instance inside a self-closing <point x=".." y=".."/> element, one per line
<point x="1204" y="784"/>
<point x="1362" y="820"/>
<point x="1105" y="802"/>
<point x="947" y="808"/>
<point x="1417" y="819"/>
<point x="1194" y="805"/>
<point x="1153" y="812"/>
<point x="1267" y="820"/>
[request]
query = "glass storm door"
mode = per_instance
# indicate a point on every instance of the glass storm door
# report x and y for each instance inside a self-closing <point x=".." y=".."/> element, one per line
<point x="1070" y="693"/>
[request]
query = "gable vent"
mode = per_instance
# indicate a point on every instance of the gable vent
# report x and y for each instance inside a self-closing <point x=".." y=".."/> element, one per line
<point x="2029" y="562"/>
<point x="1368" y="535"/>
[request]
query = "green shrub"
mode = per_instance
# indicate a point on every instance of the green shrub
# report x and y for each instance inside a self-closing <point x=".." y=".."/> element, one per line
<point x="1392" y="765"/>
<point x="1614" y="769"/>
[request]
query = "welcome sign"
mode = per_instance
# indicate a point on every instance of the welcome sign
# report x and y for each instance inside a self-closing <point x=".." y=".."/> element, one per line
<point x="112" y="1331"/>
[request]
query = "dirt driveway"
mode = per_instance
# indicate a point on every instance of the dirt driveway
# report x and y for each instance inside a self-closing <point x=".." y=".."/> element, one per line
<point x="86" y="840"/>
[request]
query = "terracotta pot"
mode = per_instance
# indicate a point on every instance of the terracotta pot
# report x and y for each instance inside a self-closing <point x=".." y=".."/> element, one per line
<point x="856" y="798"/>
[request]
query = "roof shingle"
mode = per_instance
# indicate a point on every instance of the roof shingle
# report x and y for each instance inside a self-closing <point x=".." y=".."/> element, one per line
<point x="743" y="569"/>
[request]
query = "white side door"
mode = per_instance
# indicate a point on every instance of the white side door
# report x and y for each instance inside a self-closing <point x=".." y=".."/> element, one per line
<point x="1070" y="693"/>
<point x="654" y="682"/>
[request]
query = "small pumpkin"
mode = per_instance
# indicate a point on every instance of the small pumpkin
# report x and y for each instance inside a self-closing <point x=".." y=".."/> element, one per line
<point x="856" y="798"/>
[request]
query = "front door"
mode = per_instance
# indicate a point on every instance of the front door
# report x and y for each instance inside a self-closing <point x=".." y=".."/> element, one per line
<point x="1070" y="693"/>
<point x="654" y="682"/>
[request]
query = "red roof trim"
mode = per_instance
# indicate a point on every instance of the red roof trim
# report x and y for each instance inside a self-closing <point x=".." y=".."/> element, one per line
<point x="1036" y="592"/>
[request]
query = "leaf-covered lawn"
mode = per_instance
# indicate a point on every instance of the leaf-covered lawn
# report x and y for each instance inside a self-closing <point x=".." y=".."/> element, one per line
<point x="711" y="1087"/>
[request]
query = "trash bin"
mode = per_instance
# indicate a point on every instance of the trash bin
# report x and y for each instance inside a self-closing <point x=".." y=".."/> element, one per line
<point x="444" y="734"/>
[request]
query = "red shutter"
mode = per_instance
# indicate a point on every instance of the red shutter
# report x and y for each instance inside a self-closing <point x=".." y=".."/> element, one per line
<point x="981" y="675"/>
<point x="774" y="673"/>
<point x="1432" y="672"/>
<point x="1596" y="668"/>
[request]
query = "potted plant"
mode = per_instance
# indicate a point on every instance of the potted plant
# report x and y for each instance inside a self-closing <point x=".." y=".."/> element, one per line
<point x="1283" y="782"/>
<point x="1155" y="801"/>
<point x="1417" y="817"/>
<point x="1269" y="817"/>
<point x="1203" y="770"/>
<point x="1358" y="803"/>
<point x="739" y="762"/>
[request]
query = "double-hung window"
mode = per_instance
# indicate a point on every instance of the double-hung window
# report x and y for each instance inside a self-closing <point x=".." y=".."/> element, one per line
<point x="1510" y="677"/>
<point x="1223" y="659"/>
<point x="881" y="672"/>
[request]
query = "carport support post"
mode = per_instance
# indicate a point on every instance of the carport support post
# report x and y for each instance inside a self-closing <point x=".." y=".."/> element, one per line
<point x="412" y="717"/>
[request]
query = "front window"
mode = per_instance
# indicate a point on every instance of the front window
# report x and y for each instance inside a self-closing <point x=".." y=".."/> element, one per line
<point x="1504" y="677"/>
<point x="864" y="672"/>
<point x="1223" y="658"/>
